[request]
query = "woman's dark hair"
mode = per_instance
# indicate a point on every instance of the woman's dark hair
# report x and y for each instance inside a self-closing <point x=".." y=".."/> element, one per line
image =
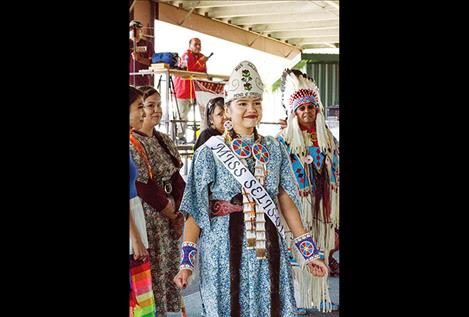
<point x="134" y="93"/>
<point x="148" y="91"/>
<point x="211" y="105"/>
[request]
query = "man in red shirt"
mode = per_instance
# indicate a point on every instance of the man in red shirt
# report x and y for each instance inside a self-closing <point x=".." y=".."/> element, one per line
<point x="192" y="60"/>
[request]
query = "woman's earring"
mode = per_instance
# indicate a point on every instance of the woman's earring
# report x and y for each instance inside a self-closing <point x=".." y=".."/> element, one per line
<point x="228" y="125"/>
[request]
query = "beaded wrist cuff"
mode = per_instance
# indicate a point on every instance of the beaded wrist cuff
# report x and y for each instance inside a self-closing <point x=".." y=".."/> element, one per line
<point x="306" y="247"/>
<point x="188" y="253"/>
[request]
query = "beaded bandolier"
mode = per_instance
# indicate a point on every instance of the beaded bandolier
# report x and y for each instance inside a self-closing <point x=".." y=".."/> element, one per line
<point x="254" y="219"/>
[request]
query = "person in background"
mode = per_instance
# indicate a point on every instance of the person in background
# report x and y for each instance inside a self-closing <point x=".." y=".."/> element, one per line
<point x="192" y="60"/>
<point x="160" y="186"/>
<point x="215" y="118"/>
<point x="244" y="261"/>
<point x="314" y="155"/>
<point x="141" y="52"/>
<point x="138" y="254"/>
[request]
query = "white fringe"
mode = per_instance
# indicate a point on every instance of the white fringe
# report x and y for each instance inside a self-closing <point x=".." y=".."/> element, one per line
<point x="310" y="291"/>
<point x="323" y="234"/>
<point x="303" y="285"/>
<point x="335" y="219"/>
<point x="294" y="136"/>
<point x="323" y="140"/>
<point x="305" y="212"/>
<point x="334" y="195"/>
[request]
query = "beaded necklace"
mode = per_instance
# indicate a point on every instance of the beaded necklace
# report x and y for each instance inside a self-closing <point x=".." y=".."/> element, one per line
<point x="254" y="218"/>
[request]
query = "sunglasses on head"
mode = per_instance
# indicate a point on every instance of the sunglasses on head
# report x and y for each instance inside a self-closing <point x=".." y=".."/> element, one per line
<point x="302" y="108"/>
<point x="212" y="103"/>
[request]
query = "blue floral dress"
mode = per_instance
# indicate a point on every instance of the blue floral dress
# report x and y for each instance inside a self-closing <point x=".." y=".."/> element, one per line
<point x="209" y="178"/>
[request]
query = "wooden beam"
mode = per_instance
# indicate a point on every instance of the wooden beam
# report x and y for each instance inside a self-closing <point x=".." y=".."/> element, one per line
<point x="143" y="13"/>
<point x="306" y="33"/>
<point x="292" y="26"/>
<point x="319" y="45"/>
<point x="314" y="40"/>
<point x="283" y="18"/>
<point x="224" y="3"/>
<point x="323" y="45"/>
<point x="202" y="4"/>
<point x="266" y="9"/>
<point x="329" y="6"/>
<point x="173" y="15"/>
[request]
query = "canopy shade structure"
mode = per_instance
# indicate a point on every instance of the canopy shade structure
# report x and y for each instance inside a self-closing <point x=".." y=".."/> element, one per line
<point x="282" y="28"/>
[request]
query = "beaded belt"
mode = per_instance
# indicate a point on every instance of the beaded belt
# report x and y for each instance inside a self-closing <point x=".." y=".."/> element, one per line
<point x="223" y="208"/>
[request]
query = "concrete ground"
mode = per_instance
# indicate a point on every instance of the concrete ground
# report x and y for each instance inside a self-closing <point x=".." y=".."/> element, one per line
<point x="193" y="304"/>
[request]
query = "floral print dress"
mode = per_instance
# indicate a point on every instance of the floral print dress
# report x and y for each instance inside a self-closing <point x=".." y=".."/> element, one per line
<point x="208" y="176"/>
<point x="163" y="247"/>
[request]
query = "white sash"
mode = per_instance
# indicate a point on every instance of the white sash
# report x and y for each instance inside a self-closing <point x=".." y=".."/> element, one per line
<point x="246" y="179"/>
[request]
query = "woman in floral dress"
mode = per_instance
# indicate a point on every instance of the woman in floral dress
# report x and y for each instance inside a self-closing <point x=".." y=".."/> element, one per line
<point x="244" y="262"/>
<point x="160" y="186"/>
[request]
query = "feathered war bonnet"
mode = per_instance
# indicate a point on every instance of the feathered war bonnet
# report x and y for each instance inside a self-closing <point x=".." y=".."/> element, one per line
<point x="299" y="89"/>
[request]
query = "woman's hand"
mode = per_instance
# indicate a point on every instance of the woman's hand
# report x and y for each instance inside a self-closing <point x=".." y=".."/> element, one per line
<point x="170" y="211"/>
<point x="176" y="226"/>
<point x="182" y="277"/>
<point x="318" y="268"/>
<point x="140" y="253"/>
<point x="179" y="221"/>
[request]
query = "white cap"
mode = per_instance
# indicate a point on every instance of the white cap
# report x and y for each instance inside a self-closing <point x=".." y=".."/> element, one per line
<point x="135" y="23"/>
<point x="244" y="82"/>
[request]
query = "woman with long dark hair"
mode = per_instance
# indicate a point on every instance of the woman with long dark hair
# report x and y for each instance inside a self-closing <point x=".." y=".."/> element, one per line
<point x="237" y="186"/>
<point x="160" y="186"/>
<point x="215" y="118"/>
<point x="141" y="293"/>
